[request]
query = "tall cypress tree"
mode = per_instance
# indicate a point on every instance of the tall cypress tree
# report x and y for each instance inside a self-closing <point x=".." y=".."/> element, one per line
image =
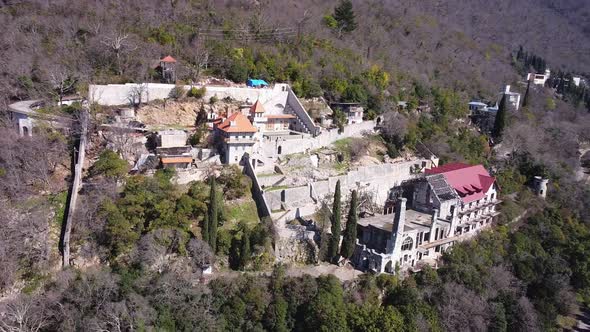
<point x="335" y="238"/>
<point x="349" y="240"/>
<point x="525" y="100"/>
<point x="213" y="214"/>
<point x="205" y="229"/>
<point x="500" y="122"/>
<point x="245" y="249"/>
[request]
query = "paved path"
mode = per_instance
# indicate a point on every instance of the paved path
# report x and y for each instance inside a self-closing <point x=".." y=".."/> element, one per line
<point x="344" y="273"/>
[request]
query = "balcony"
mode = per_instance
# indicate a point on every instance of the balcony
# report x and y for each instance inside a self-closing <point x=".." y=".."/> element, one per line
<point x="479" y="206"/>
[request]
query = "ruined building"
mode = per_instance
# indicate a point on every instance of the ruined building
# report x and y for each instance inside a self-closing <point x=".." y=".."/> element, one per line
<point x="450" y="203"/>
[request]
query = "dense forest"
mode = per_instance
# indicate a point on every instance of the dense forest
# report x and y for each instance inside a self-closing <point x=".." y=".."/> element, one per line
<point x="140" y="242"/>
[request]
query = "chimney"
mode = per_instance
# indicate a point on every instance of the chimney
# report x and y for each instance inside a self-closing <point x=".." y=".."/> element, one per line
<point x="507" y="90"/>
<point x="399" y="221"/>
<point x="232" y="123"/>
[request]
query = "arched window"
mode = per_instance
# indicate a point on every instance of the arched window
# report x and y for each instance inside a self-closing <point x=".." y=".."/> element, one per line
<point x="279" y="150"/>
<point x="407" y="244"/>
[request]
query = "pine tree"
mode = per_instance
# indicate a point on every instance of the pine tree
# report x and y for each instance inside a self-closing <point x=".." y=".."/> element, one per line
<point x="335" y="238"/>
<point x="213" y="215"/>
<point x="500" y="122"/>
<point x="349" y="240"/>
<point x="344" y="15"/>
<point x="205" y="229"/>
<point x="525" y="100"/>
<point x="245" y="249"/>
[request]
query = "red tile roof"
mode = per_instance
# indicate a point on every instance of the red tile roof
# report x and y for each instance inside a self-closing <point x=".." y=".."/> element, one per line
<point x="281" y="116"/>
<point x="471" y="182"/>
<point x="174" y="160"/>
<point x="241" y="124"/>
<point x="257" y="107"/>
<point x="168" y="59"/>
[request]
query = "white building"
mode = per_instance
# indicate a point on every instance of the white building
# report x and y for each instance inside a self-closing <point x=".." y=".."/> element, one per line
<point x="235" y="137"/>
<point x="512" y="98"/>
<point x="539" y="79"/>
<point x="450" y="204"/>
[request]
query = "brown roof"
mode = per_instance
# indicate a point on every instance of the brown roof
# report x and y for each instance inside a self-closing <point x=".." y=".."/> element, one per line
<point x="257" y="107"/>
<point x="281" y="116"/>
<point x="174" y="160"/>
<point x="241" y="124"/>
<point x="168" y="59"/>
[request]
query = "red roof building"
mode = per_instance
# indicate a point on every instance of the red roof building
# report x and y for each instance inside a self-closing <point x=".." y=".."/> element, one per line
<point x="237" y="123"/>
<point x="471" y="182"/>
<point x="168" y="59"/>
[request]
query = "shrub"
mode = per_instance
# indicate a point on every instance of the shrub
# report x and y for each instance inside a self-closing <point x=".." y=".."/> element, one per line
<point x="197" y="92"/>
<point x="110" y="165"/>
<point x="213" y="100"/>
<point x="177" y="92"/>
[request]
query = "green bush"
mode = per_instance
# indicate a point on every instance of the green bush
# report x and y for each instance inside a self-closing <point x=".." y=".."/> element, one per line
<point x="110" y="165"/>
<point x="177" y="92"/>
<point x="197" y="92"/>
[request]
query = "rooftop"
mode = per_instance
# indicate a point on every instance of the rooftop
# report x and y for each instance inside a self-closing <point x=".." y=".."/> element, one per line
<point x="257" y="107"/>
<point x="415" y="220"/>
<point x="237" y="123"/>
<point x="471" y="182"/>
<point x="168" y="59"/>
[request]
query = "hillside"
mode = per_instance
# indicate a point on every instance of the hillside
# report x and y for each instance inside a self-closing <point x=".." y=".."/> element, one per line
<point x="152" y="253"/>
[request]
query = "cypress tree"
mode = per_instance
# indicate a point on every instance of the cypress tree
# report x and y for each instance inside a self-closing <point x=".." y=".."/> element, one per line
<point x="344" y="15"/>
<point x="349" y="240"/>
<point x="234" y="254"/>
<point x="213" y="215"/>
<point x="245" y="249"/>
<point x="500" y="122"/>
<point x="205" y="228"/>
<point x="525" y="100"/>
<point x="335" y="238"/>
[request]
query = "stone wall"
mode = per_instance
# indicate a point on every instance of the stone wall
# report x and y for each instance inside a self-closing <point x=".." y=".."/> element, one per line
<point x="257" y="193"/>
<point x="377" y="179"/>
<point x="326" y="137"/>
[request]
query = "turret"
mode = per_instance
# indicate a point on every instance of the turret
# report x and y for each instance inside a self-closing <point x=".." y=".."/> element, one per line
<point x="540" y="186"/>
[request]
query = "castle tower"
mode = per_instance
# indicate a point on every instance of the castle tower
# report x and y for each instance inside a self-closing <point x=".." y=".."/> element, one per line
<point x="540" y="186"/>
<point x="399" y="222"/>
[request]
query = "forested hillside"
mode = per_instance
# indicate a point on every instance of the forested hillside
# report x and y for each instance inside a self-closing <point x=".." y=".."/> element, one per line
<point x="139" y="242"/>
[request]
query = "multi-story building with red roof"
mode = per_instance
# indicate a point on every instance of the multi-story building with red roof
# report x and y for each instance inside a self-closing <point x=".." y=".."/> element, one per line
<point x="449" y="204"/>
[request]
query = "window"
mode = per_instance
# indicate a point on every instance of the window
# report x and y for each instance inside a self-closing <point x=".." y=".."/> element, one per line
<point x="437" y="249"/>
<point x="426" y="236"/>
<point x="407" y="244"/>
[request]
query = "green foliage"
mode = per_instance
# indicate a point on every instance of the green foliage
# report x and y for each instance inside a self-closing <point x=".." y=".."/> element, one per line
<point x="198" y="93"/>
<point x="335" y="228"/>
<point x="177" y="92"/>
<point x="213" y="213"/>
<point x="510" y="180"/>
<point x="345" y="17"/>
<point x="349" y="240"/>
<point x="330" y="22"/>
<point x="109" y="164"/>
<point x="327" y="311"/>
<point x="235" y="183"/>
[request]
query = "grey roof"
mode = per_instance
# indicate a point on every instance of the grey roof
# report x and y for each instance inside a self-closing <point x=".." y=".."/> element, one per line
<point x="441" y="187"/>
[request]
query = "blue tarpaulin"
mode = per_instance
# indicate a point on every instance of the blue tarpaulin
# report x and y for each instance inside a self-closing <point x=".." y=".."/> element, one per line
<point x="256" y="83"/>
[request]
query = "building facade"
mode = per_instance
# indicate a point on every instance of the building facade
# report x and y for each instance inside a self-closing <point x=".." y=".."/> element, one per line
<point x="451" y="203"/>
<point x="235" y="137"/>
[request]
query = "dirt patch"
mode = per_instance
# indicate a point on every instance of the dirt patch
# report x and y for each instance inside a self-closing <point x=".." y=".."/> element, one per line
<point x="181" y="114"/>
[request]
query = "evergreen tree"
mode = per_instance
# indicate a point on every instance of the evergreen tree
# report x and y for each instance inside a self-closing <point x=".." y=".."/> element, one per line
<point x="335" y="238"/>
<point x="525" y="100"/>
<point x="205" y="229"/>
<point x="277" y="311"/>
<point x="345" y="17"/>
<point x="500" y="122"/>
<point x="234" y="254"/>
<point x="349" y="240"/>
<point x="213" y="215"/>
<point x="245" y="249"/>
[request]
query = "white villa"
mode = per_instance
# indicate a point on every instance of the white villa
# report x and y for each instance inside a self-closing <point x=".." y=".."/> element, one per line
<point x="450" y="204"/>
